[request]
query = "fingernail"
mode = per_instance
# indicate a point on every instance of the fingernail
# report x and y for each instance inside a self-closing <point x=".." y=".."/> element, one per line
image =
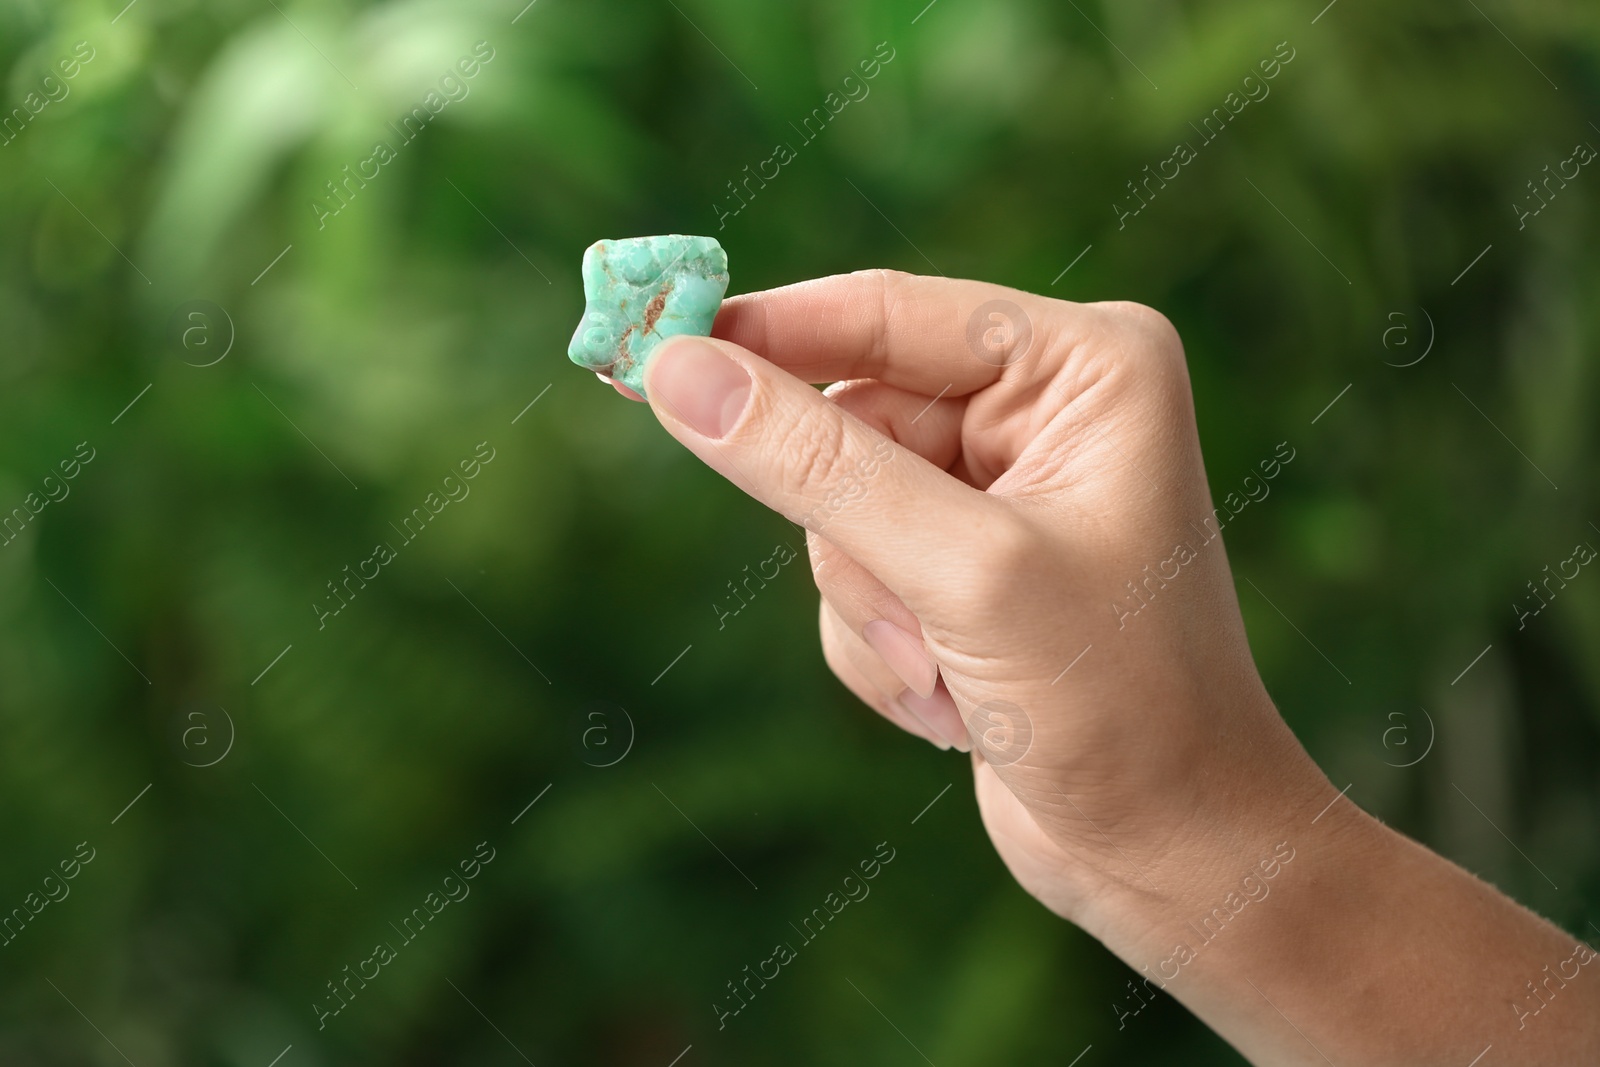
<point x="908" y="721"/>
<point x="940" y="714"/>
<point x="699" y="384"/>
<point x="904" y="654"/>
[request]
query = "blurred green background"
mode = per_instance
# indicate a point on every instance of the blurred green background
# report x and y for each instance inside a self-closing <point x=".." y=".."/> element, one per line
<point x="520" y="643"/>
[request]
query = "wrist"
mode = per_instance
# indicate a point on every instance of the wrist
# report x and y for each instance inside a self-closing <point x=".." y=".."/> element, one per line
<point x="1303" y="929"/>
<point x="1218" y="840"/>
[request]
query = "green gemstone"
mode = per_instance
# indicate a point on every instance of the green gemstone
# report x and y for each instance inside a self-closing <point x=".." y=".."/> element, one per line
<point x="640" y="291"/>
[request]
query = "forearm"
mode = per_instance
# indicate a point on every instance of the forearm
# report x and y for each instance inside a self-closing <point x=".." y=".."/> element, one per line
<point x="1306" y="932"/>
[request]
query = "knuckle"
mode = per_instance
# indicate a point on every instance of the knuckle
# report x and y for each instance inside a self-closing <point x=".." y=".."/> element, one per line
<point x="1147" y="354"/>
<point x="1017" y="544"/>
<point x="1150" y="329"/>
<point x="814" y="451"/>
<point x="890" y="282"/>
<point x="1014" y="554"/>
<point x="888" y="290"/>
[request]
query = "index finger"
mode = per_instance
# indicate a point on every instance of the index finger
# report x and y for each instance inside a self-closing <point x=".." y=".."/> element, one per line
<point x="933" y="336"/>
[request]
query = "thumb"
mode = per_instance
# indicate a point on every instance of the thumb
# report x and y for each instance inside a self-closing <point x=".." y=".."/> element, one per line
<point x="795" y="450"/>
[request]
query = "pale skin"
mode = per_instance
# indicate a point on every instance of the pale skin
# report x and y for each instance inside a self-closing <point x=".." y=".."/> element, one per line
<point x="1002" y="501"/>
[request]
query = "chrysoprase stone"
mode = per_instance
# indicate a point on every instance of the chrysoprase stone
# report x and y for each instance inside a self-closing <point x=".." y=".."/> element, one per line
<point x="640" y="291"/>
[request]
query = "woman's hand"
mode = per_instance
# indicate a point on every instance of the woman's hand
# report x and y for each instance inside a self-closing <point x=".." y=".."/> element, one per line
<point x="1017" y="551"/>
<point x="998" y="495"/>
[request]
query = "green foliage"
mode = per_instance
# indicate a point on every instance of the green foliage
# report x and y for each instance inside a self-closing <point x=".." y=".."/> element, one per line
<point x="374" y="348"/>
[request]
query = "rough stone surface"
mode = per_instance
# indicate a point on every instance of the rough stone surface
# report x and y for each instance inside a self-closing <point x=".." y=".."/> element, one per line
<point x="640" y="291"/>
